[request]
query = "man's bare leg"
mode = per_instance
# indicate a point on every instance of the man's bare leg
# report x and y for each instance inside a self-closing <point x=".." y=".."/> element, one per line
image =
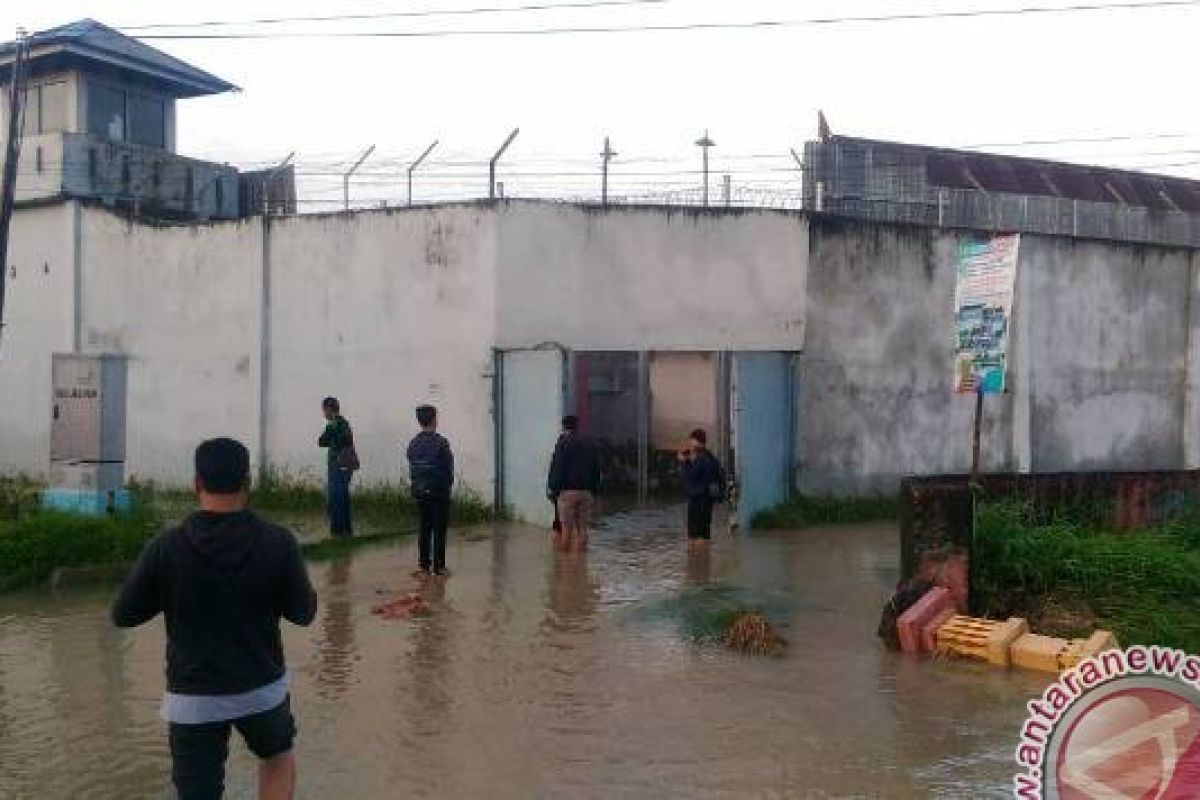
<point x="277" y="777"/>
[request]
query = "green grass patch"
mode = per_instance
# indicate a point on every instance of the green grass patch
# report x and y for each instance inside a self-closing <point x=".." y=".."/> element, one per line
<point x="34" y="543"/>
<point x="1144" y="586"/>
<point x="32" y="547"/>
<point x="805" y="511"/>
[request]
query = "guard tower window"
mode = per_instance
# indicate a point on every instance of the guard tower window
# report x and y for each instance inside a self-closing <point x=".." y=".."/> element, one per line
<point x="147" y="121"/>
<point x="106" y="112"/>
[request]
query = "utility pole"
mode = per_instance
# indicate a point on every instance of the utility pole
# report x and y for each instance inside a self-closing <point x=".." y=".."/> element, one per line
<point x="349" y="172"/>
<point x="704" y="143"/>
<point x="606" y="155"/>
<point x="496" y="158"/>
<point x="12" y="153"/>
<point x="417" y="163"/>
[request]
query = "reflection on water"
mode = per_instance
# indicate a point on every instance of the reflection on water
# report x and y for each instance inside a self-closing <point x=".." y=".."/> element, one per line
<point x="535" y="676"/>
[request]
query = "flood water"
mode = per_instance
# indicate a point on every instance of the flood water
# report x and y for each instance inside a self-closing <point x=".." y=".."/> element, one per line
<point x="542" y="677"/>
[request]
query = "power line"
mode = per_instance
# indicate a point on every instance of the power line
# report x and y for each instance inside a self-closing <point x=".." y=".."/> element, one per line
<point x="693" y="26"/>
<point x="453" y="12"/>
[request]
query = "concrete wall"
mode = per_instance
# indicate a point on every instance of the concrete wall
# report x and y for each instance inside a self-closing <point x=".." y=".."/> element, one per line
<point x="37" y="322"/>
<point x="385" y="311"/>
<point x="389" y="309"/>
<point x="875" y="399"/>
<point x="1098" y="359"/>
<point x="183" y="303"/>
<point x="1108" y="341"/>
<point x="640" y="279"/>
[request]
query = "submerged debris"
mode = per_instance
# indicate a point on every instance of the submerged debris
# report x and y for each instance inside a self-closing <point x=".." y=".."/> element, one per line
<point x="405" y="606"/>
<point x="751" y="632"/>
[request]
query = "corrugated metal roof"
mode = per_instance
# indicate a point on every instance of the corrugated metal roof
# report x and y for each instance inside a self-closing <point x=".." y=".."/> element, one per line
<point x="90" y="42"/>
<point x="989" y="172"/>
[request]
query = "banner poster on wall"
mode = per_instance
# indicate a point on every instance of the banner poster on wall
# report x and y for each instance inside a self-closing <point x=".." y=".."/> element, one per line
<point x="983" y="298"/>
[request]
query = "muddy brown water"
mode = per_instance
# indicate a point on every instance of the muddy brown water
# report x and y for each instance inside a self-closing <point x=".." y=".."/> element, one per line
<point x="542" y="677"/>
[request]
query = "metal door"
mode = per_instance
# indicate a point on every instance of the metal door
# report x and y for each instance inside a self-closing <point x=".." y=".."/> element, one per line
<point x="763" y="431"/>
<point x="532" y="401"/>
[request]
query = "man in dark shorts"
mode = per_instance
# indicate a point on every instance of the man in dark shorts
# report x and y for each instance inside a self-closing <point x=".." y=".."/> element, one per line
<point x="704" y="483"/>
<point x="431" y="479"/>
<point x="222" y="580"/>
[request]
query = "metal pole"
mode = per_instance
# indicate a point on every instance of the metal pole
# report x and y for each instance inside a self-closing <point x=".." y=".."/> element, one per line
<point x="728" y="189"/>
<point x="12" y="153"/>
<point x="495" y="158"/>
<point x="976" y="434"/>
<point x="606" y="155"/>
<point x="349" y="172"/>
<point x="270" y="176"/>
<point x="416" y="164"/>
<point x="704" y="143"/>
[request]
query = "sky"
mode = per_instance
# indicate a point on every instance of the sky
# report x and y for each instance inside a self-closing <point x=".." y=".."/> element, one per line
<point x="956" y="82"/>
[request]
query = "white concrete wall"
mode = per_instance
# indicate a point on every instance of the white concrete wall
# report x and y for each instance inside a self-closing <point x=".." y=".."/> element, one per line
<point x="384" y="310"/>
<point x="37" y="323"/>
<point x="651" y="279"/>
<point x="183" y="304"/>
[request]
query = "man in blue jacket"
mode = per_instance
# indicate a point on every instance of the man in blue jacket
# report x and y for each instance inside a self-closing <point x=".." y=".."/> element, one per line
<point x="222" y="580"/>
<point x="431" y="478"/>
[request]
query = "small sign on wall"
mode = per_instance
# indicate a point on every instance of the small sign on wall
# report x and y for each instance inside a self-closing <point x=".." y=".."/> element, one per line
<point x="983" y="298"/>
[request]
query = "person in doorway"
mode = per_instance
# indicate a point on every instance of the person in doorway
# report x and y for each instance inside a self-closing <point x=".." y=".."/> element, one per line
<point x="431" y="479"/>
<point x="572" y="485"/>
<point x="704" y="483"/>
<point x="341" y="462"/>
<point x="222" y="580"/>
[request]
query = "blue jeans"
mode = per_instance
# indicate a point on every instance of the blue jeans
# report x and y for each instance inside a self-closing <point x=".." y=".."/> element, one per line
<point x="338" y="486"/>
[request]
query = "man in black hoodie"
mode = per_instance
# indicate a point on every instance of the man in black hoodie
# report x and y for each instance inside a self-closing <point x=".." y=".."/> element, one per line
<point x="704" y="483"/>
<point x="431" y="479"/>
<point x="222" y="580"/>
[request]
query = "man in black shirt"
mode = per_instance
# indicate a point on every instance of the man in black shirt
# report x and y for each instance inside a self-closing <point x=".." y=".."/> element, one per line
<point x="704" y="483"/>
<point x="572" y="485"/>
<point x="431" y="478"/>
<point x="222" y="580"/>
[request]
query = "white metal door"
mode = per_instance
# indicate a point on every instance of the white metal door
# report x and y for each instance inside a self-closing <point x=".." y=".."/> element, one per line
<point x="532" y="402"/>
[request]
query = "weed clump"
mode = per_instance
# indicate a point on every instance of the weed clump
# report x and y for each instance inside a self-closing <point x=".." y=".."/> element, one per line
<point x="1065" y="572"/>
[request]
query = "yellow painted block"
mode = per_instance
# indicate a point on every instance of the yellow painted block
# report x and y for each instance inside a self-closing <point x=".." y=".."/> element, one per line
<point x="1079" y="649"/>
<point x="1033" y="651"/>
<point x="1000" y="640"/>
<point x="966" y="636"/>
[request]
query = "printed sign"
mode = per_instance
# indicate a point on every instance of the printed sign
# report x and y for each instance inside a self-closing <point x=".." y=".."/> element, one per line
<point x="987" y="271"/>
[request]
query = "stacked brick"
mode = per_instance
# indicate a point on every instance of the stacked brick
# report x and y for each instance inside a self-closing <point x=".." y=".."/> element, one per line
<point x="931" y="625"/>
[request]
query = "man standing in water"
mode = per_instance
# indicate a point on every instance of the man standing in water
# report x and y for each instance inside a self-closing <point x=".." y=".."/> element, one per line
<point x="341" y="462"/>
<point x="572" y="485"/>
<point x="431" y="478"/>
<point x="704" y="483"/>
<point x="222" y="580"/>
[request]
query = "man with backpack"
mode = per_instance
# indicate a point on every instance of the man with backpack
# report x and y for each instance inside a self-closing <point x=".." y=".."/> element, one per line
<point x="342" y="462"/>
<point x="704" y="484"/>
<point x="431" y="479"/>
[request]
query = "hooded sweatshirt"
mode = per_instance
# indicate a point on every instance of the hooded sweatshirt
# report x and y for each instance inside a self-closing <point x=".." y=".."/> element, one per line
<point x="222" y="582"/>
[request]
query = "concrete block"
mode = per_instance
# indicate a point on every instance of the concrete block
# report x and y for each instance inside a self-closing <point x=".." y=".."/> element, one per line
<point x="1000" y="640"/>
<point x="920" y="614"/>
<point x="1079" y="649"/>
<point x="930" y="629"/>
<point x="1042" y="653"/>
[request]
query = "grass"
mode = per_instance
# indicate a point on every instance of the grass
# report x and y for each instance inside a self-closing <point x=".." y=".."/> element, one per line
<point x="807" y="510"/>
<point x="1144" y="586"/>
<point x="34" y="543"/>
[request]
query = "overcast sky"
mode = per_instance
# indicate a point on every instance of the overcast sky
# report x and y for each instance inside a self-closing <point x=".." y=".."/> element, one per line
<point x="943" y="81"/>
